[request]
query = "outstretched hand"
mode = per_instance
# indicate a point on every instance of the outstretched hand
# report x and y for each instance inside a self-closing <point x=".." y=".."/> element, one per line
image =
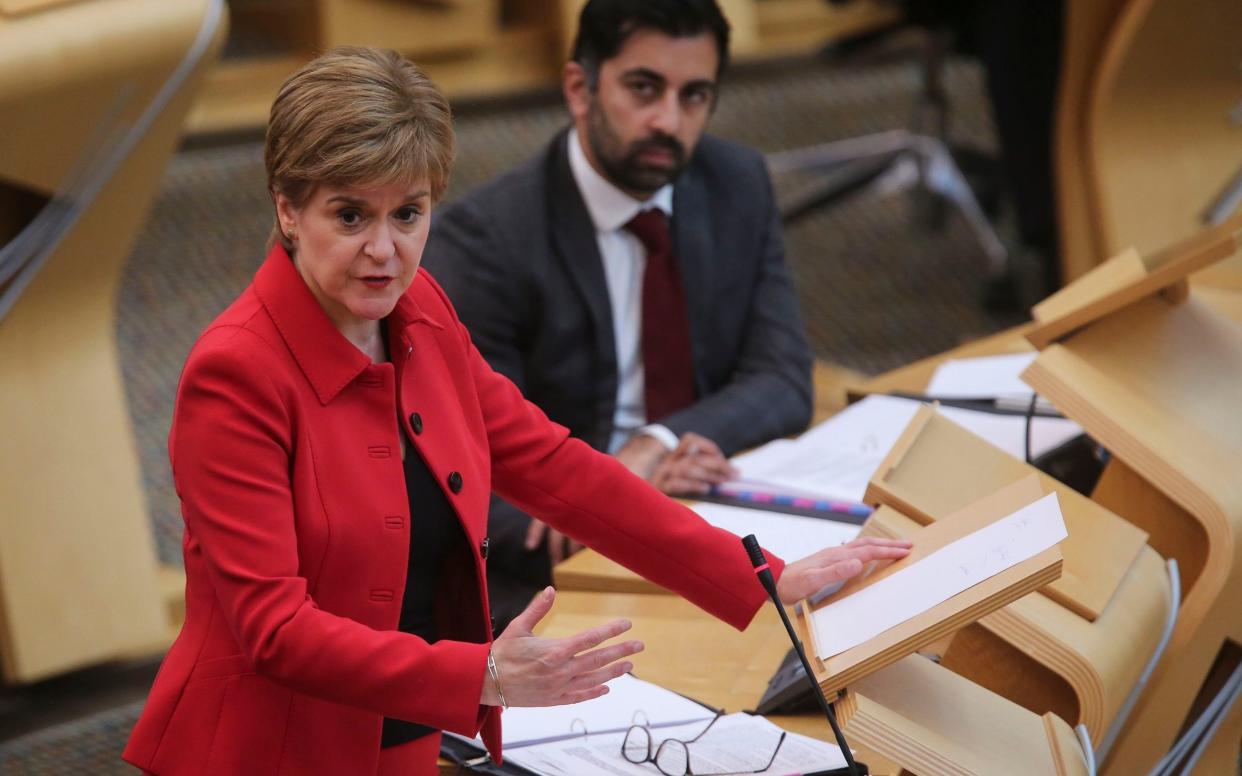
<point x="836" y="564"/>
<point x="549" y="672"/>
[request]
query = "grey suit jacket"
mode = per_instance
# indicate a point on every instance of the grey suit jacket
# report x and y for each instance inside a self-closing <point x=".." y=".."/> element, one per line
<point x="519" y="259"/>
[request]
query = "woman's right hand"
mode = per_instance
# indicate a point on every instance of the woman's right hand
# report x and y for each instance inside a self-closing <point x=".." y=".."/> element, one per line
<point x="551" y="672"/>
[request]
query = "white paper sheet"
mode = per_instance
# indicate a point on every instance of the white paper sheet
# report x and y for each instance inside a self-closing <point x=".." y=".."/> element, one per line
<point x="1008" y="432"/>
<point x="837" y="458"/>
<point x="735" y="743"/>
<point x="987" y="377"/>
<point x="953" y="568"/>
<point x="614" y="711"/>
<point x="789" y="536"/>
<point x="833" y="460"/>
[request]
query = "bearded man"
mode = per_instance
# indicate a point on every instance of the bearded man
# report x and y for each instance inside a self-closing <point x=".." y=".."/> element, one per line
<point x="630" y="278"/>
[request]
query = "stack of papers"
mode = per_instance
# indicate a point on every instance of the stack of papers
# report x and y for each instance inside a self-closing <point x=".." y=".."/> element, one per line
<point x="833" y="460"/>
<point x="837" y="458"/>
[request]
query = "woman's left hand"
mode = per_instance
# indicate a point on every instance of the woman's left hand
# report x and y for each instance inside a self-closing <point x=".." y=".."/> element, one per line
<point x="835" y="564"/>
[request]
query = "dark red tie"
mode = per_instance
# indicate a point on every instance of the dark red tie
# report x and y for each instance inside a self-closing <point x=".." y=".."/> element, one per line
<point x="665" y="336"/>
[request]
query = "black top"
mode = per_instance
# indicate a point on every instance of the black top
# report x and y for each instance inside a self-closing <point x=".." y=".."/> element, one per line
<point x="434" y="534"/>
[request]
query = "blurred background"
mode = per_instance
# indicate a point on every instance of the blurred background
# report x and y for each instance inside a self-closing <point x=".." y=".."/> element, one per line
<point x="942" y="165"/>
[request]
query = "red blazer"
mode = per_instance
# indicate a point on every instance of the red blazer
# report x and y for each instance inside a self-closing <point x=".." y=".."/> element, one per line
<point x="288" y="465"/>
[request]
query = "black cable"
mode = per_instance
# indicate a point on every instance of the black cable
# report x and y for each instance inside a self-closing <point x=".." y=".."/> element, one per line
<point x="1030" y="414"/>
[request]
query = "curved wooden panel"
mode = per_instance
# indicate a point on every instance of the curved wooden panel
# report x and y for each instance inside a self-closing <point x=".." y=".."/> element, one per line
<point x="1087" y="27"/>
<point x="1157" y="384"/>
<point x="1036" y="651"/>
<point x="1160" y="145"/>
<point x="78" y="581"/>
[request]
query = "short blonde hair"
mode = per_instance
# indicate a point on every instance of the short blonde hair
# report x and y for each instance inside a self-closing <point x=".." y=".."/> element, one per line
<point x="357" y="116"/>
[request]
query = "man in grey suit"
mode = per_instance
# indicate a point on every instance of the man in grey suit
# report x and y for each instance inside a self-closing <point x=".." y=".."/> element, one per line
<point x="630" y="279"/>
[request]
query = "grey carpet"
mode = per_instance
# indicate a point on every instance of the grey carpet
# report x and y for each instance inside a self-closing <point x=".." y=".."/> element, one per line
<point x="90" y="745"/>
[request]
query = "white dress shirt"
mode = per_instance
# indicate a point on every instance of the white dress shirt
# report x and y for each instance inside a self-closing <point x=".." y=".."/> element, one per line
<point x="624" y="259"/>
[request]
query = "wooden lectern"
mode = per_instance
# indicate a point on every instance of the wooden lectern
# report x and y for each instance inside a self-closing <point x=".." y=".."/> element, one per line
<point x="1153" y="371"/>
<point x="839" y="671"/>
<point x="932" y="721"/>
<point x="92" y="97"/>
<point x="1077" y="650"/>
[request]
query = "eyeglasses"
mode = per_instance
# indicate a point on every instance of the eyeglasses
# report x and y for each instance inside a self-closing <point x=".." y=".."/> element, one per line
<point x="672" y="755"/>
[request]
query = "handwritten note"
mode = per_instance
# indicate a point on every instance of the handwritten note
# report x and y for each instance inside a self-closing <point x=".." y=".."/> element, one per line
<point x="956" y="567"/>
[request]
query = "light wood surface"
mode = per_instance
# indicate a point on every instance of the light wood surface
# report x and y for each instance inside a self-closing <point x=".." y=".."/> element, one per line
<point x="1038" y="654"/>
<point x="1087" y="28"/>
<point x="587" y="571"/>
<point x="1162" y="144"/>
<point x="1128" y="277"/>
<point x="766" y="27"/>
<point x="935" y="722"/>
<point x="1048" y="660"/>
<point x="483" y="48"/>
<point x="238" y="93"/>
<point x="78" y="579"/>
<point x="1156" y="383"/>
<point x="1078" y="649"/>
<point x="730" y="674"/>
<point x="938" y="467"/>
<point x="1143" y="139"/>
<point x="17" y="7"/>
<point x="424" y="29"/>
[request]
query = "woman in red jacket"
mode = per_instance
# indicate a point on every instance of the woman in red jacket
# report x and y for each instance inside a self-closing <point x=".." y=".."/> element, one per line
<point x="335" y="441"/>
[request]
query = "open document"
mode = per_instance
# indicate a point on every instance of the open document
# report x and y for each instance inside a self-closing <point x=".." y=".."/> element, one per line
<point x="736" y="743"/>
<point x="628" y="698"/>
<point x="586" y="737"/>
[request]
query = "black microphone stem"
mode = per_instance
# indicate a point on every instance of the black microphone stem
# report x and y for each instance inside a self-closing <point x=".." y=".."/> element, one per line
<point x="819" y="695"/>
<point x="769" y="584"/>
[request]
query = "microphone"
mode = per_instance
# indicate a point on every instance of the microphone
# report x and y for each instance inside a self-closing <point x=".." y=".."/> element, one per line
<point x="764" y="573"/>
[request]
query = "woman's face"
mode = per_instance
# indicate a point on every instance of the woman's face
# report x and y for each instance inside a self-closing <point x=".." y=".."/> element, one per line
<point x="358" y="248"/>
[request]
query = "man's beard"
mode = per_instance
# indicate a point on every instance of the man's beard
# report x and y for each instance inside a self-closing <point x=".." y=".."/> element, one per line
<point x="623" y="166"/>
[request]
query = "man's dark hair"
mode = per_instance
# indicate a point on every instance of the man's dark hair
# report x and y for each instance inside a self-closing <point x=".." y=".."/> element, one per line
<point x="605" y="25"/>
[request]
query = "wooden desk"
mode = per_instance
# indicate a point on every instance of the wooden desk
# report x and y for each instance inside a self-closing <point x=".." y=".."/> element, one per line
<point x="588" y="571"/>
<point x="78" y="576"/>
<point x="692" y="653"/>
